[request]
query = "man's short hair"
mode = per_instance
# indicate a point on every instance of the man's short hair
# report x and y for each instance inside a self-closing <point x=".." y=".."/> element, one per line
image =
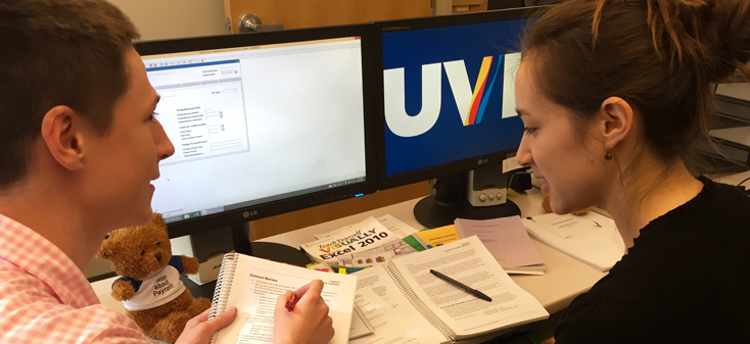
<point x="57" y="52"/>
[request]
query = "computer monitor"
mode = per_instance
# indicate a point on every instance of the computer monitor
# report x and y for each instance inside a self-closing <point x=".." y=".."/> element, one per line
<point x="262" y="124"/>
<point x="447" y="107"/>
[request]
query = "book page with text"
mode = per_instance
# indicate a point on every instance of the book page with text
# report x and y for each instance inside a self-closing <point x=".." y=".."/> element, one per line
<point x="390" y="312"/>
<point x="256" y="285"/>
<point x="468" y="262"/>
<point x="592" y="238"/>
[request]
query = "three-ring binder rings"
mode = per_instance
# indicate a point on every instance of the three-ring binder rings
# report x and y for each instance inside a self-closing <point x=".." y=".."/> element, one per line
<point x="404" y="301"/>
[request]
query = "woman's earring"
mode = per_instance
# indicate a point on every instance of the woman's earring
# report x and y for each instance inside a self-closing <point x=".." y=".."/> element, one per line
<point x="608" y="154"/>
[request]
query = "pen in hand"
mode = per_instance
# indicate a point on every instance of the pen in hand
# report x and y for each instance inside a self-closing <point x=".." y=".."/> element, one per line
<point x="291" y="302"/>
<point x="468" y="289"/>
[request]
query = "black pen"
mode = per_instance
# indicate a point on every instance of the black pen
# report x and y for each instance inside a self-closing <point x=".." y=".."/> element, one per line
<point x="471" y="291"/>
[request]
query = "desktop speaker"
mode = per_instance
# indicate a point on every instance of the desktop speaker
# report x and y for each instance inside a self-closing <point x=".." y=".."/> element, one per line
<point x="487" y="186"/>
<point x="520" y="181"/>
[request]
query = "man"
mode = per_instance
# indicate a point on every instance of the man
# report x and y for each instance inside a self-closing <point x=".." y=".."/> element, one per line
<point x="79" y="145"/>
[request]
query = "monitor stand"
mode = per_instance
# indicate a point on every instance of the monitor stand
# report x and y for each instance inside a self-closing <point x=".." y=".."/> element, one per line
<point x="269" y="250"/>
<point x="449" y="202"/>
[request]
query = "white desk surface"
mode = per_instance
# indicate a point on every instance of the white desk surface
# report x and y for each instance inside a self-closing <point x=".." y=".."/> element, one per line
<point x="731" y="179"/>
<point x="564" y="279"/>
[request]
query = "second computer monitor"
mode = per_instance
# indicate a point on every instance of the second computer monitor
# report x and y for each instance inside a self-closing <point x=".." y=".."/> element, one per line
<point x="448" y="100"/>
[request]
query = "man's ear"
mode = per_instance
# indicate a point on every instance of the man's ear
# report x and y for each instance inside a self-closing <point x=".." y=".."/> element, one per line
<point x="62" y="132"/>
<point x="617" y="120"/>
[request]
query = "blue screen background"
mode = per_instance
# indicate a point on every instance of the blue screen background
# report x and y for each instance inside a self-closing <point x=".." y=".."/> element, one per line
<point x="449" y="140"/>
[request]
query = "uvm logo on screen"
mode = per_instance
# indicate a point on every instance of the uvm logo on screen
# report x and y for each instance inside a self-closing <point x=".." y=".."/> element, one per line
<point x="448" y="94"/>
<point x="471" y="102"/>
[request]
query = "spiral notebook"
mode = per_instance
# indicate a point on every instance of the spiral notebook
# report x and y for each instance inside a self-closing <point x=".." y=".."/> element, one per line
<point x="360" y="326"/>
<point x="253" y="285"/>
<point x="406" y="303"/>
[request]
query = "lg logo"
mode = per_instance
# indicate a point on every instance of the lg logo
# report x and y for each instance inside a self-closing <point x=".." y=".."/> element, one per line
<point x="471" y="104"/>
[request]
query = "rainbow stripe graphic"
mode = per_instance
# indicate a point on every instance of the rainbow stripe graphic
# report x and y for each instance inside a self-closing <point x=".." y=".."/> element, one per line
<point x="480" y="97"/>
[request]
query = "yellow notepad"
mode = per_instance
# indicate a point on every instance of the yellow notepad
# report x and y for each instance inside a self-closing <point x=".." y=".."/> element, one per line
<point x="435" y="237"/>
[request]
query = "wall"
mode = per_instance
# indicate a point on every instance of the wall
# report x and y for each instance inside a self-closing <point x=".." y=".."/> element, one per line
<point x="311" y="216"/>
<point x="164" y="19"/>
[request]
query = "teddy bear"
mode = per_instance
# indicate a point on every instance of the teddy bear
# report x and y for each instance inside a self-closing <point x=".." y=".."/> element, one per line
<point x="150" y="286"/>
<point x="548" y="208"/>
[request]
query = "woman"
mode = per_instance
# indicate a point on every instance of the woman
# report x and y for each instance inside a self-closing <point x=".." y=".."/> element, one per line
<point x="613" y="93"/>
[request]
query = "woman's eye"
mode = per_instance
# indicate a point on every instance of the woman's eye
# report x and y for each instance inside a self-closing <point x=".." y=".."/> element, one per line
<point x="528" y="130"/>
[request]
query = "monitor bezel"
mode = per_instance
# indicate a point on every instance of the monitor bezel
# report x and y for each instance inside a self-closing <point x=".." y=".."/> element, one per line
<point x="409" y="177"/>
<point x="258" y="211"/>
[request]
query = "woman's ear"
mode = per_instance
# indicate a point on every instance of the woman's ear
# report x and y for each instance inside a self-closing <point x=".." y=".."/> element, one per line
<point x="618" y="119"/>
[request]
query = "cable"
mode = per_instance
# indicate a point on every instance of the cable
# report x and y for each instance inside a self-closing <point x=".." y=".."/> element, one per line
<point x="742" y="188"/>
<point x="743" y="182"/>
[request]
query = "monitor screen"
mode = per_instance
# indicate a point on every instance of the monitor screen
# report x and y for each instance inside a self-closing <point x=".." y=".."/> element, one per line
<point x="262" y="124"/>
<point x="448" y="94"/>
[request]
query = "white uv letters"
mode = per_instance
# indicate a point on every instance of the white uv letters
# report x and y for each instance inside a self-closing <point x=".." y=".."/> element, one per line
<point x="404" y="125"/>
<point x="396" y="117"/>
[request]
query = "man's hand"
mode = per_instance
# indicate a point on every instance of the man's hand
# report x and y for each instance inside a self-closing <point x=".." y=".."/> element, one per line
<point x="199" y="329"/>
<point x="550" y="340"/>
<point x="308" y="322"/>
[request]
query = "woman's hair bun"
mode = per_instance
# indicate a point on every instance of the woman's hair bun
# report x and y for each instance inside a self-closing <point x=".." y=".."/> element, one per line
<point x="714" y="35"/>
<point x="731" y="20"/>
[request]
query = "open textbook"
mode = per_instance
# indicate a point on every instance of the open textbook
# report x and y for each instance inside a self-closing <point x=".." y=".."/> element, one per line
<point x="253" y="285"/>
<point x="407" y="304"/>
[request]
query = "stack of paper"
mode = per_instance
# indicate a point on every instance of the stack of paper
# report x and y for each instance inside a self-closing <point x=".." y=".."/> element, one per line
<point x="507" y="241"/>
<point x="591" y="238"/>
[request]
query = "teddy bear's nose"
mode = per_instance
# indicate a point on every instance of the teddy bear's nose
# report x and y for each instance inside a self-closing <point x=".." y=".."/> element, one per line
<point x="158" y="256"/>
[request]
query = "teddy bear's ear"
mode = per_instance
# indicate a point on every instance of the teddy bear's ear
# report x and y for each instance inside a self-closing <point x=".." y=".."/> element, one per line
<point x="158" y="220"/>
<point x="106" y="251"/>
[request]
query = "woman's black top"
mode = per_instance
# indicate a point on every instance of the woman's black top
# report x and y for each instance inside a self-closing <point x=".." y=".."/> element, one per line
<point x="686" y="279"/>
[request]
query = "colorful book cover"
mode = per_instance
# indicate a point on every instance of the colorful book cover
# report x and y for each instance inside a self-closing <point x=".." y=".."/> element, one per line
<point x="367" y="235"/>
<point x="413" y="243"/>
